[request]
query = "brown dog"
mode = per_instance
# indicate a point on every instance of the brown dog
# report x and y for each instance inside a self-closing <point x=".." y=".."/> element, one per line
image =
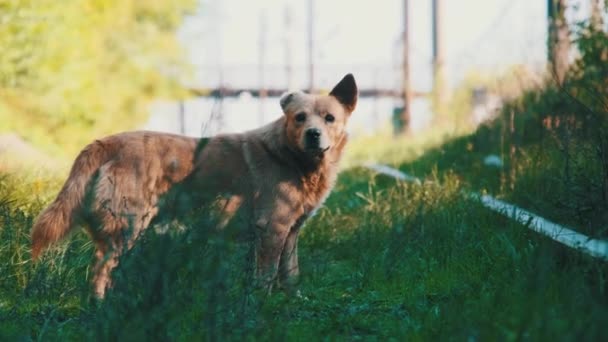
<point x="273" y="178"/>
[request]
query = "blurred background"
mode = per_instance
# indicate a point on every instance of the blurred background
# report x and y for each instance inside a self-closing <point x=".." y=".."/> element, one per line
<point x="73" y="71"/>
<point x="269" y="46"/>
<point x="505" y="98"/>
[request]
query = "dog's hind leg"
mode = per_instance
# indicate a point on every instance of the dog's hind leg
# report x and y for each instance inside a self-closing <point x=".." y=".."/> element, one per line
<point x="107" y="259"/>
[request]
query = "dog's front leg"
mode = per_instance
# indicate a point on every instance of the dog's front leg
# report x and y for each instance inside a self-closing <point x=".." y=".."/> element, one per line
<point x="270" y="241"/>
<point x="288" y="266"/>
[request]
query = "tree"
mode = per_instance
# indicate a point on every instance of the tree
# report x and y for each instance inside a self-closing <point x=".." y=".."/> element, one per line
<point x="74" y="70"/>
<point x="559" y="39"/>
<point x="597" y="21"/>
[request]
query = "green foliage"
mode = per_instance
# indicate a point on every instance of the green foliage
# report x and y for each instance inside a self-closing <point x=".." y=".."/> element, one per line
<point x="383" y="260"/>
<point x="74" y="70"/>
<point x="553" y="141"/>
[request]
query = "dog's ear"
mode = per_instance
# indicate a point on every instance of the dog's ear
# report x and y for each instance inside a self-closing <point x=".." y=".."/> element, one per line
<point x="346" y="92"/>
<point x="290" y="98"/>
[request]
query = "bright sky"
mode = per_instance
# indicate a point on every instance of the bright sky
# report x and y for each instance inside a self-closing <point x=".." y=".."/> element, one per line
<point x="361" y="36"/>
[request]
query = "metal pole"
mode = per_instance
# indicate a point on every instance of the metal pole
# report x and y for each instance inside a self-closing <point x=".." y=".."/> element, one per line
<point x="406" y="91"/>
<point x="311" y="34"/>
<point x="262" y="65"/>
<point x="182" y="117"/>
<point x="288" y="37"/>
<point x="439" y="81"/>
<point x="550" y="30"/>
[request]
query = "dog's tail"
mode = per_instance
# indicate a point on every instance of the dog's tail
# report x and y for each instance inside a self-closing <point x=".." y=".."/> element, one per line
<point x="56" y="221"/>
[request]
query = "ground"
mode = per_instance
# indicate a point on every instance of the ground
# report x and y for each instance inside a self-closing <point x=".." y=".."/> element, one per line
<point x="384" y="259"/>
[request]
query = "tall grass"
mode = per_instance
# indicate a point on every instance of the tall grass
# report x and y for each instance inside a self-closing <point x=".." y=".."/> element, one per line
<point x="382" y="259"/>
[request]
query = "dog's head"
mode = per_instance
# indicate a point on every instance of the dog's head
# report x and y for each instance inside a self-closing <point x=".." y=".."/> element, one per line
<point x="316" y="123"/>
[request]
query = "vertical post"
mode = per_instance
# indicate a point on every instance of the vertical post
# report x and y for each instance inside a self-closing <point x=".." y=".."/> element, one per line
<point x="262" y="65"/>
<point x="406" y="91"/>
<point x="217" y="115"/>
<point x="288" y="38"/>
<point x="182" y="117"/>
<point x="558" y="46"/>
<point x="550" y="29"/>
<point x="439" y="81"/>
<point x="311" y="55"/>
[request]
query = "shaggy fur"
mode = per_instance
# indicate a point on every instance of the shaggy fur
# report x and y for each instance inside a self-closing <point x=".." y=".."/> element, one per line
<point x="268" y="180"/>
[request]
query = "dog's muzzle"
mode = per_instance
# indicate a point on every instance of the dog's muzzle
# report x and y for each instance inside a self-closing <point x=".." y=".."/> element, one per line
<point x="313" y="139"/>
<point x="313" y="142"/>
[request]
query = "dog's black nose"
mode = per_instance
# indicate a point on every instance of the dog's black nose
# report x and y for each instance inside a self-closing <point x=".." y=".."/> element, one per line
<point x="313" y="133"/>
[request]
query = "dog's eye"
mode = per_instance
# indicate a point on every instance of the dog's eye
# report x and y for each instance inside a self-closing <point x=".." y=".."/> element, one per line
<point x="329" y="118"/>
<point x="301" y="117"/>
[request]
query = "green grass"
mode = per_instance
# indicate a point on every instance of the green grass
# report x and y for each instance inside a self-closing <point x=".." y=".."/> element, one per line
<point x="382" y="260"/>
<point x="536" y="176"/>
